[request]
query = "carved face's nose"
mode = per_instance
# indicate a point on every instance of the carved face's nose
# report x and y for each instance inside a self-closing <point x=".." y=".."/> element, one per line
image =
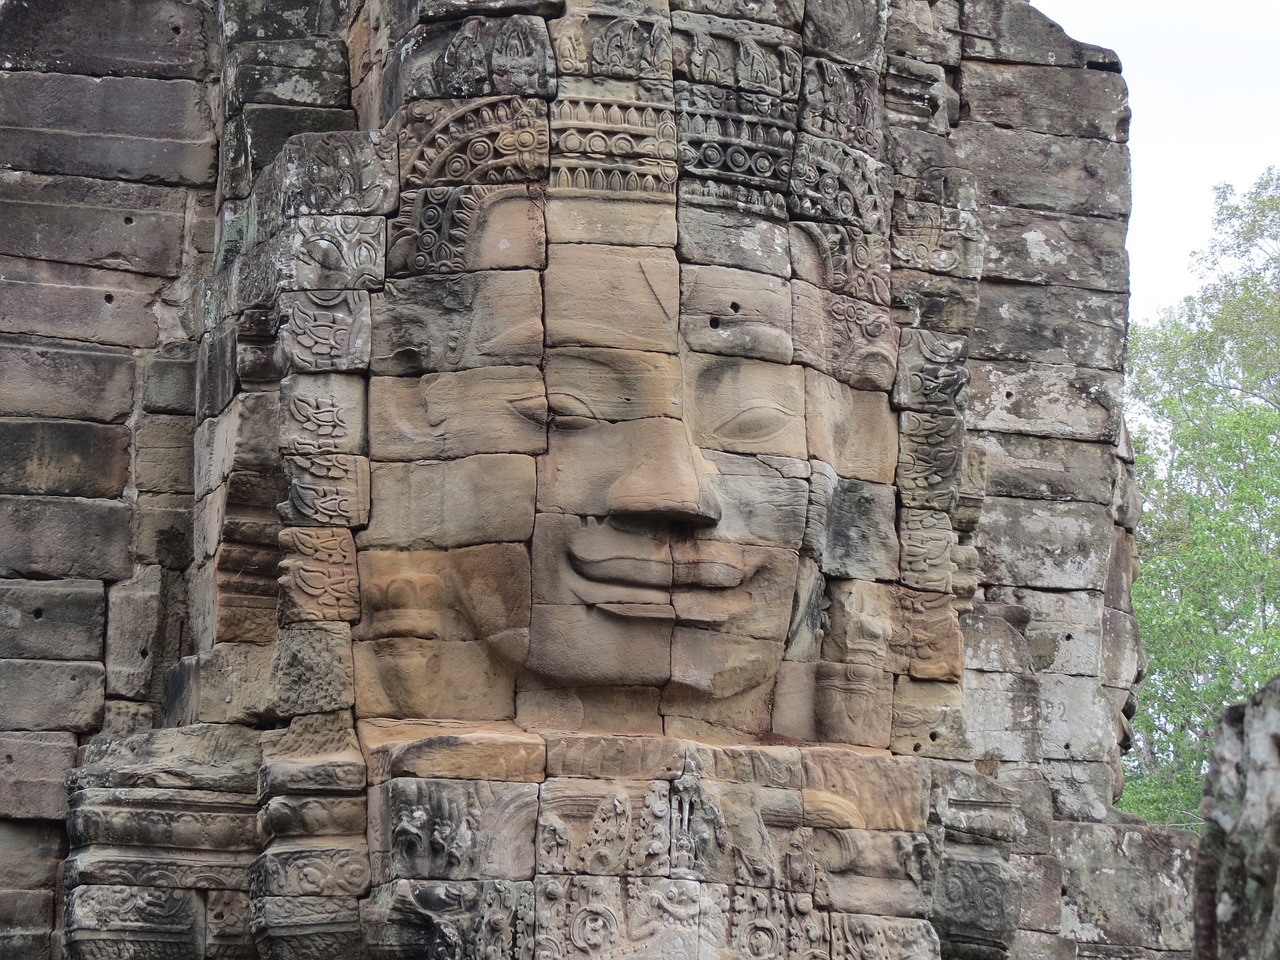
<point x="664" y="477"/>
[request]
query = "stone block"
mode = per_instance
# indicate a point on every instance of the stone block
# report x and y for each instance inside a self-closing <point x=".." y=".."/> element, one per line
<point x="30" y="853"/>
<point x="323" y="414"/>
<point x="438" y="324"/>
<point x="51" y="695"/>
<point x="162" y="531"/>
<point x="848" y="790"/>
<point x="1021" y="168"/>
<point x="850" y="340"/>
<point x="745" y="406"/>
<point x="1053" y="100"/>
<point x="143" y="38"/>
<point x="731" y="238"/>
<point x="929" y="720"/>
<point x="26" y="919"/>
<point x="1003" y="716"/>
<point x="622" y="297"/>
<point x="168" y="381"/>
<point x="613" y="384"/>
<point x="455" y="750"/>
<point x="36" y="377"/>
<point x="1039" y="891"/>
<point x="303" y="73"/>
<point x="97" y="223"/>
<point x="64" y="537"/>
<point x="326" y="490"/>
<point x="1050" y="325"/>
<point x="447" y="416"/>
<point x="1065" y="631"/>
<point x="254" y="137"/>
<point x="611" y="220"/>
<point x="1126" y="884"/>
<point x="245" y="20"/>
<point x="63" y="457"/>
<point x="480" y="499"/>
<point x="854" y="431"/>
<point x="1045" y="468"/>
<point x="1046" y="400"/>
<point x="1078" y="720"/>
<point x="51" y="619"/>
<point x="628" y="711"/>
<point x="851" y="528"/>
<point x="42" y="298"/>
<point x="135" y="634"/>
<point x="735" y="312"/>
<point x="163" y="454"/>
<point x="1027" y="246"/>
<point x="127" y="128"/>
<point x="416" y="678"/>
<point x="758" y="503"/>
<point x="35" y="765"/>
<point x="447" y="230"/>
<point x="1010" y="31"/>
<point x="851" y="32"/>
<point x="1037" y="543"/>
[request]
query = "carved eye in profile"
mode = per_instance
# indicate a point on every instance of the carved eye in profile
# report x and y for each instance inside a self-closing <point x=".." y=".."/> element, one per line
<point x="757" y="422"/>
<point x="533" y="408"/>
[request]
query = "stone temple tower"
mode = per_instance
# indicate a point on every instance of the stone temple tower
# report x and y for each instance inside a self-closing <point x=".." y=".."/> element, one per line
<point x="566" y="480"/>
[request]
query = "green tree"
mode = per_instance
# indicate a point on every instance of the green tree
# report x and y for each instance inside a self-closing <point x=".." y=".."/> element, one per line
<point x="1204" y="395"/>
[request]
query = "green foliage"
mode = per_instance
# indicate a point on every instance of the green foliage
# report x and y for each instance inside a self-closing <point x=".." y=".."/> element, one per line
<point x="1205" y="415"/>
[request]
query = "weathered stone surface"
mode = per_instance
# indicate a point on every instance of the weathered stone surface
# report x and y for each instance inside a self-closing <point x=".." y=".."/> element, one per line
<point x="254" y="137"/>
<point x="60" y="300"/>
<point x="64" y="537"/>
<point x="1060" y="325"/>
<point x="63" y="458"/>
<point x="852" y="430"/>
<point x="135" y="634"/>
<point x="126" y="128"/>
<point x="851" y="528"/>
<point x="745" y="406"/>
<point x="97" y="223"/>
<point x="311" y="73"/>
<point x="35" y="376"/>
<point x="451" y="749"/>
<point x="735" y="312"/>
<point x="1059" y="546"/>
<point x="1030" y="247"/>
<point x="415" y="677"/>
<point x="146" y="38"/>
<point x="445" y="230"/>
<point x="622" y="297"/>
<point x="51" y="620"/>
<point x="481" y="499"/>
<point x="1046" y="400"/>
<point x="32" y="853"/>
<point x="1046" y="468"/>
<point x="1014" y="32"/>
<point x="52" y="695"/>
<point x="1081" y="103"/>
<point x="35" y="774"/>
<point x="436" y="324"/>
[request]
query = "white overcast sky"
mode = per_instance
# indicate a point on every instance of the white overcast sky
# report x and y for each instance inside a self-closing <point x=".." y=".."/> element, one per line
<point x="1204" y="85"/>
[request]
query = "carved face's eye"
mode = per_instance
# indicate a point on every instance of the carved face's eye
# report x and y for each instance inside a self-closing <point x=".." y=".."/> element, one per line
<point x="531" y="408"/>
<point x="755" y="423"/>
<point x="569" y="406"/>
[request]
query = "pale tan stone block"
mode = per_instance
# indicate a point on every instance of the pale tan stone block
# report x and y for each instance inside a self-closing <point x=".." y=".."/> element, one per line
<point x="613" y="384"/>
<point x="633" y="223"/>
<point x="735" y="312"/>
<point x="584" y="560"/>
<point x="480" y="499"/>
<point x="413" y="677"/>
<point x="722" y="665"/>
<point x="745" y="406"/>
<point x="628" y="711"/>
<point x="323" y="413"/>
<point x="762" y="503"/>
<point x="605" y="296"/>
<point x="610" y="645"/>
<point x="846" y="788"/>
<point x="446" y="416"/>
<point x="853" y="430"/>
<point x="928" y="720"/>
<point x="733" y="587"/>
<point x="848" y="339"/>
<point x="452" y="749"/>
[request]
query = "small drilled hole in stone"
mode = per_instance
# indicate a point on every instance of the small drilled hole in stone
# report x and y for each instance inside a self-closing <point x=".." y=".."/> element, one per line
<point x="735" y="307"/>
<point x="933" y="737"/>
<point x="918" y="747"/>
<point x="8" y="758"/>
<point x="1070" y="637"/>
<point x="1008" y="394"/>
<point x="176" y="30"/>
<point x="128" y="221"/>
<point x="144" y="653"/>
<point x="38" y="613"/>
<point x="715" y="323"/>
<point x="108" y="298"/>
<point x="1066" y="746"/>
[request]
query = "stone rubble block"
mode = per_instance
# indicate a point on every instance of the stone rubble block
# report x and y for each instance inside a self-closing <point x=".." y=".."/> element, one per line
<point x="51" y="619"/>
<point x="65" y="537"/>
<point x="1027" y="246"/>
<point x="1066" y="103"/>
<point x="163" y="461"/>
<point x="1060" y="325"/>
<point x="127" y="128"/>
<point x="42" y="298"/>
<point x="63" y="458"/>
<point x="34" y="375"/>
<point x="32" y="850"/>
<point x="35" y="775"/>
<point x="309" y="73"/>
<point x="1037" y="543"/>
<point x="51" y="695"/>
<point x="135" y="634"/>
<point x="1045" y="468"/>
<point x="96" y="223"/>
<point x="1010" y="31"/>
<point x="253" y="138"/>
<point x="1046" y="400"/>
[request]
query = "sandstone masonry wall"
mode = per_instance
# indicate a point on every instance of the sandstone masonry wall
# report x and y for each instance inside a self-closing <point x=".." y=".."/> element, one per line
<point x="215" y="254"/>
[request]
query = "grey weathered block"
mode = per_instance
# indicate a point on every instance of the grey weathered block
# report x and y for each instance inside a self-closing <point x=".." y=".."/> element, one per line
<point x="34" y="781"/>
<point x="1013" y="31"/>
<point x="1045" y="468"/>
<point x="1032" y="247"/>
<point x="1022" y="168"/>
<point x="99" y="223"/>
<point x="51" y="695"/>
<point x="169" y="380"/>
<point x="145" y="38"/>
<point x="42" y="298"/>
<point x="1017" y="321"/>
<point x="305" y="73"/>
<point x="1046" y="400"/>
<point x="163" y="454"/>
<point x="65" y="537"/>
<point x="51" y="619"/>
<point x="253" y="138"/>
<point x="63" y="457"/>
<point x="1037" y="543"/>
<point x="135" y="624"/>
<point x="162" y="530"/>
<point x="41" y="378"/>
<point x="29" y="854"/>
<point x="244" y="20"/>
<point x="1066" y="103"/>
<point x="126" y="128"/>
